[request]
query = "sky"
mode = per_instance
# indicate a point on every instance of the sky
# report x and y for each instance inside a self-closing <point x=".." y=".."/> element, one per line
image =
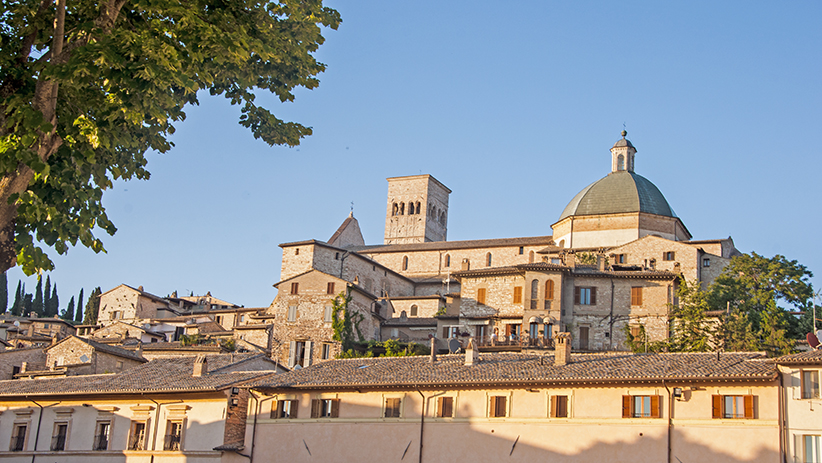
<point x="514" y="106"/>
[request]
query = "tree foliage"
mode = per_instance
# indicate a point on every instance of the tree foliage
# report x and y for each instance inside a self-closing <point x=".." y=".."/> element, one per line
<point x="345" y="322"/>
<point x="92" y="307"/>
<point x="68" y="313"/>
<point x="87" y="87"/>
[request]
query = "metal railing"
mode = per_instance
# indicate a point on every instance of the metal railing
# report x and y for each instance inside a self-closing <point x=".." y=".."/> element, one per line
<point x="58" y="442"/>
<point x="513" y="341"/>
<point x="171" y="442"/>
<point x="18" y="443"/>
<point x="100" y="442"/>
<point x="136" y="442"/>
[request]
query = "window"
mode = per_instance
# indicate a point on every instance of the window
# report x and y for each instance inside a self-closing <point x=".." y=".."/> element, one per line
<point x="480" y="295"/>
<point x="336" y="256"/>
<point x="585" y="295"/>
<point x="414" y="310"/>
<point x="450" y="331"/>
<point x="810" y="449"/>
<point x="499" y="407"/>
<point x="295" y="288"/>
<point x="292" y="313"/>
<point x="448" y="260"/>
<point x="284" y="409"/>
<point x="174" y="435"/>
<point x="297" y="252"/>
<point x="299" y="353"/>
<point x="636" y="295"/>
<point x="242" y="318"/>
<point x="641" y="406"/>
<point x="810" y="384"/>
<point x="115" y="315"/>
<point x="521" y="250"/>
<point x="137" y="436"/>
<point x="328" y="316"/>
<point x="405" y="263"/>
<point x="706" y="262"/>
<point x="621" y="258"/>
<point x="488" y="260"/>
<point x="620" y="162"/>
<point x="325" y="408"/>
<point x="392" y="408"/>
<point x="58" y="439"/>
<point x="732" y="406"/>
<point x="549" y="290"/>
<point x="559" y="406"/>
<point x="517" y="294"/>
<point x="445" y="407"/>
<point x="118" y="365"/>
<point x="636" y="332"/>
<point x="101" y="435"/>
<point x="18" y="438"/>
<point x="329" y="289"/>
<point x="326" y="351"/>
<point x="668" y="255"/>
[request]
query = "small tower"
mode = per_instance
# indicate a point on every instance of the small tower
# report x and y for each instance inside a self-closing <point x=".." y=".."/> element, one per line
<point x="417" y="210"/>
<point x="622" y="155"/>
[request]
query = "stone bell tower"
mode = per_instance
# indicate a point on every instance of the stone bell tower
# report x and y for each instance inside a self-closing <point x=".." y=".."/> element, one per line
<point x="417" y="210"/>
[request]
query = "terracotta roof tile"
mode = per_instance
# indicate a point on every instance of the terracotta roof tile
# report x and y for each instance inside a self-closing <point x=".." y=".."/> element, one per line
<point x="808" y="357"/>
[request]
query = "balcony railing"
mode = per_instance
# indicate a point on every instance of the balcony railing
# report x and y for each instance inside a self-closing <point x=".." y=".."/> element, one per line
<point x="513" y="341"/>
<point x="100" y="442"/>
<point x="18" y="443"/>
<point x="136" y="443"/>
<point x="58" y="443"/>
<point x="171" y="442"/>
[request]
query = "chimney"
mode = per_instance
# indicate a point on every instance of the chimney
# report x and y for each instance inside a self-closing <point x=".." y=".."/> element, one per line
<point x="433" y="349"/>
<point x="140" y="288"/>
<point x="174" y="294"/>
<point x="562" y="352"/>
<point x="200" y="366"/>
<point x="54" y="340"/>
<point x="602" y="262"/>
<point x="471" y="353"/>
<point x="23" y="367"/>
<point x="677" y="267"/>
<point x="571" y="259"/>
<point x="139" y="350"/>
<point x="466" y="265"/>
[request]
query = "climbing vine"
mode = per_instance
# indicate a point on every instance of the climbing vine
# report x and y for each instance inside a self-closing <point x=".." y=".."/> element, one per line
<point x="345" y="322"/>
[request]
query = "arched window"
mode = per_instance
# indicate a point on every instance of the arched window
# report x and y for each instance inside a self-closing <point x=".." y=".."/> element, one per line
<point x="549" y="290"/>
<point x="414" y="310"/>
<point x="411" y="208"/>
<point x="531" y="257"/>
<point x="534" y="289"/>
<point x="448" y="260"/>
<point x="442" y="217"/>
<point x="419" y="209"/>
<point x="562" y="243"/>
<point x="402" y="208"/>
<point x="620" y="162"/>
<point x="395" y="209"/>
<point x="405" y="263"/>
<point x="488" y="260"/>
<point x="403" y="315"/>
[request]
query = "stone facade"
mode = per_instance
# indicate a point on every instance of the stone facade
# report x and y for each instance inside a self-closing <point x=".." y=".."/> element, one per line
<point x="127" y="303"/>
<point x="12" y="360"/>
<point x="417" y="210"/>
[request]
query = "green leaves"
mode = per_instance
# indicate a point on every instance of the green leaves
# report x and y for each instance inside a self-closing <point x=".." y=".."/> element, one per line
<point x="124" y="79"/>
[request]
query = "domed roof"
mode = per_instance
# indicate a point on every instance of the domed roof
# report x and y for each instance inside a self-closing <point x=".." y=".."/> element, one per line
<point x="616" y="193"/>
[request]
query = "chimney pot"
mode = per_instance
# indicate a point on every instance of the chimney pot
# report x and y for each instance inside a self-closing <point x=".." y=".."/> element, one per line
<point x="466" y="265"/>
<point x="140" y="288"/>
<point x="433" y="349"/>
<point x="200" y="366"/>
<point x="25" y="365"/>
<point x="471" y="353"/>
<point x="562" y="352"/>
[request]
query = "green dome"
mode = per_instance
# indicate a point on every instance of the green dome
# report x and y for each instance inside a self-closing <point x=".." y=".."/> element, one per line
<point x="617" y="193"/>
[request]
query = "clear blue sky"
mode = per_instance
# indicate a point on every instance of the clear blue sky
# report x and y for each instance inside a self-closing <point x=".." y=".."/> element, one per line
<point x="514" y="107"/>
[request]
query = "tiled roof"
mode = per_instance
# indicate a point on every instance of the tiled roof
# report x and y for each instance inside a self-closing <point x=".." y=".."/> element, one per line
<point x="808" y="357"/>
<point x="413" y="321"/>
<point x="437" y="245"/>
<point x="176" y="346"/>
<point x="100" y="347"/>
<point x="159" y="375"/>
<point x="518" y="368"/>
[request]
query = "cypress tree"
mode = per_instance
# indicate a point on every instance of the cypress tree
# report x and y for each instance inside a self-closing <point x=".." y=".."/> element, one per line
<point x="28" y="305"/>
<point x="18" y="300"/>
<point x="54" y="302"/>
<point x="46" y="297"/>
<point x="78" y="314"/>
<point x="92" y="307"/>
<point x="68" y="314"/>
<point x="37" y="304"/>
<point x="4" y="293"/>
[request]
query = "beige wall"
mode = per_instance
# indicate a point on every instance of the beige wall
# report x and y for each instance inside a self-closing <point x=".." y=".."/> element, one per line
<point x="129" y="303"/>
<point x="802" y="416"/>
<point x="594" y="431"/>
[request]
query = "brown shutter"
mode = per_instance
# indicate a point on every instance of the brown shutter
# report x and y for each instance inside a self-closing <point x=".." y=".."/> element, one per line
<point x="639" y="296"/>
<point x="656" y="409"/>
<point x="493" y="406"/>
<point x="315" y="408"/>
<point x="626" y="406"/>
<point x="576" y="295"/>
<point x="593" y="296"/>
<point x="749" y="406"/>
<point x="295" y="405"/>
<point x="335" y="408"/>
<point x="549" y="290"/>
<point x="275" y="409"/>
<point x="716" y="406"/>
<point x="553" y="406"/>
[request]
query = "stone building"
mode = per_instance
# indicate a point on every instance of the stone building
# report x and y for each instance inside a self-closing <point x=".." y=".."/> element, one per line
<point x="611" y="267"/>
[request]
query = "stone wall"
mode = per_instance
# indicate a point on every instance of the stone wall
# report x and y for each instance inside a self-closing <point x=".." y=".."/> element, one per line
<point x="129" y="305"/>
<point x="34" y="357"/>
<point x="402" y="225"/>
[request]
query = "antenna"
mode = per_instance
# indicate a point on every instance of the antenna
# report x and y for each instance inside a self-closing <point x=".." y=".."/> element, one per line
<point x="352" y="207"/>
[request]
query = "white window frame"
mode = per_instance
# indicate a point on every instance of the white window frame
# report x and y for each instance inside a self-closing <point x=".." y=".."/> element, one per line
<point x="385" y="398"/>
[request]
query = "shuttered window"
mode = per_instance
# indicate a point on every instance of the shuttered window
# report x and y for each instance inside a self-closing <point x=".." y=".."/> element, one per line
<point x="641" y="406"/>
<point x="295" y="288"/>
<point x="585" y="295"/>
<point x="392" y="407"/>
<point x="329" y="289"/>
<point x="445" y="407"/>
<point x="481" y="296"/>
<point x="325" y="408"/>
<point x="636" y="295"/>
<point x="810" y="384"/>
<point x="559" y="406"/>
<point x="732" y="406"/>
<point x="549" y="290"/>
<point x="517" y="294"/>
<point x="284" y="409"/>
<point x="499" y="406"/>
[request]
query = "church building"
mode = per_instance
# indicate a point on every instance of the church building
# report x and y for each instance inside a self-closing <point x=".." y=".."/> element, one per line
<point x="611" y="268"/>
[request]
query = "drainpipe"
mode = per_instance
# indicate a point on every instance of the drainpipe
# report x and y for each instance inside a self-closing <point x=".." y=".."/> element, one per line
<point x="257" y="404"/>
<point x="422" y="415"/>
<point x="156" y="426"/>
<point x="670" y="418"/>
<point x="783" y="434"/>
<point x="342" y="263"/>
<point x="37" y="433"/>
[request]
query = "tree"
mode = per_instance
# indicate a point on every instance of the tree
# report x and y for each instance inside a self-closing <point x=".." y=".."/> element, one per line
<point x="92" y="307"/>
<point x="86" y="88"/>
<point x="78" y="314"/>
<point x="4" y="293"/>
<point x="46" y="296"/>
<point x="53" y="302"/>
<point x="17" y="306"/>
<point x="68" y="313"/>
<point x="345" y="322"/>
<point x="690" y="329"/>
<point x="37" y="305"/>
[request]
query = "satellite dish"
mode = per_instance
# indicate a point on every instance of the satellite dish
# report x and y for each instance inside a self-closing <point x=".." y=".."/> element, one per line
<point x="454" y="346"/>
<point x="813" y="340"/>
<point x="84" y="358"/>
<point x="17" y="323"/>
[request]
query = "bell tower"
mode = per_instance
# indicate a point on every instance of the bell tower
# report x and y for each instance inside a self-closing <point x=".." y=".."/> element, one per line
<point x="417" y="210"/>
<point x="622" y="155"/>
